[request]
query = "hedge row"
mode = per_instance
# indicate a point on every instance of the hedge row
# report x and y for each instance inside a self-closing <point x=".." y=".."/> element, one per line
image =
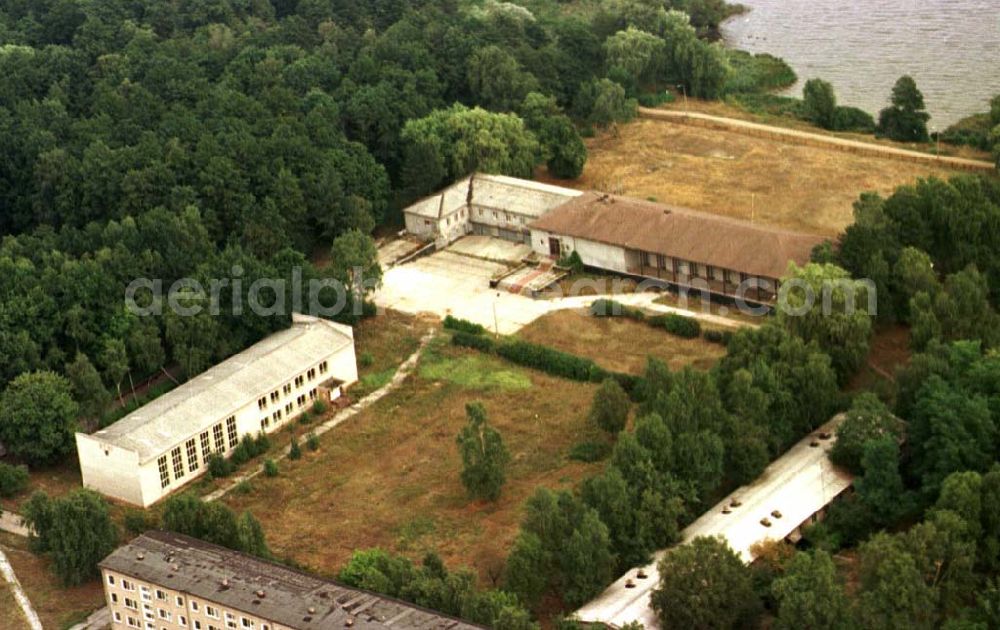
<point x="686" y="327"/>
<point x="463" y="325"/>
<point x="720" y="337"/>
<point x="545" y="359"/>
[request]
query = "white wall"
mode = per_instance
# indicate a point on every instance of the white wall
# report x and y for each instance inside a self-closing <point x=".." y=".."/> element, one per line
<point x="109" y="470"/>
<point x="421" y="226"/>
<point x="120" y="474"/>
<point x="592" y="253"/>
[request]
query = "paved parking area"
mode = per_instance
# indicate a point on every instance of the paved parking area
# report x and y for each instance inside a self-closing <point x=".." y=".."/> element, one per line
<point x="448" y="283"/>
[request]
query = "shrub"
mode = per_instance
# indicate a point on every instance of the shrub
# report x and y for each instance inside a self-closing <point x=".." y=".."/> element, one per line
<point x="305" y="418"/>
<point x="218" y="466"/>
<point x="367" y="359"/>
<point x="853" y="119"/>
<point x="319" y="407"/>
<point x="262" y="444"/>
<point x="682" y="326"/>
<point x="477" y="342"/>
<point x="138" y="521"/>
<point x="312" y="441"/>
<point x="270" y="468"/>
<point x="590" y="451"/>
<point x="720" y="337"/>
<point x="463" y="325"/>
<point x="610" y="407"/>
<point x="547" y="359"/>
<point x="294" y="452"/>
<point x="243" y="487"/>
<point x="13" y="479"/>
<point x="573" y="262"/>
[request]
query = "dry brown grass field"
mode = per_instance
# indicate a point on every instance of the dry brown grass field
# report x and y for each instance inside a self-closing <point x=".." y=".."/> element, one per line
<point x="11" y="617"/>
<point x="619" y="344"/>
<point x="389" y="477"/>
<point x="57" y="606"/>
<point x="802" y="188"/>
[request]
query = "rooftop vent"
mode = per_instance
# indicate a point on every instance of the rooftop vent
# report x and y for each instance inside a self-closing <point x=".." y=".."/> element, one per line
<point x="776" y="514"/>
<point x="735" y="503"/>
<point x="825" y="435"/>
<point x="311" y="610"/>
<point x="641" y="574"/>
<point x="260" y="594"/>
<point x="175" y="567"/>
<point x="349" y="622"/>
<point x="726" y="510"/>
<point x="814" y="443"/>
<point x="225" y="583"/>
<point x="140" y="556"/>
<point x="629" y="583"/>
<point x="766" y="522"/>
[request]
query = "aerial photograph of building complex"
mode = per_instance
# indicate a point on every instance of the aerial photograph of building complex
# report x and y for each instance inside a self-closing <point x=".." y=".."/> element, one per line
<point x="490" y="314"/>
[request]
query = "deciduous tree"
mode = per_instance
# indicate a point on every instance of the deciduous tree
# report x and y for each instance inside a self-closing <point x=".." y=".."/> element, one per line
<point x="484" y="456"/>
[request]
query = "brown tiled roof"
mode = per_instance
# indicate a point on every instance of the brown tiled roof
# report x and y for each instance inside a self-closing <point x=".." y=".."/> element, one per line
<point x="679" y="233"/>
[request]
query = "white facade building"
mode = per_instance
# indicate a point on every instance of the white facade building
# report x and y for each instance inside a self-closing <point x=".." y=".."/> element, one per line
<point x="165" y="444"/>
<point x="488" y="205"/>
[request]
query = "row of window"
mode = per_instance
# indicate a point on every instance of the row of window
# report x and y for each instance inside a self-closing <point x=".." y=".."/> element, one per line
<point x="278" y="416"/>
<point x="698" y="270"/>
<point x="232" y="621"/>
<point x="286" y="389"/>
<point x="507" y="216"/>
<point x="218" y="436"/>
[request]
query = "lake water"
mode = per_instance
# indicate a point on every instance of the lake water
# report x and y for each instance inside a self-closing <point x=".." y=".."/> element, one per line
<point x="950" y="47"/>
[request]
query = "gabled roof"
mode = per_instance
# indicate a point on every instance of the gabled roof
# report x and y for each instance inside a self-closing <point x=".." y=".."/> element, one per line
<point x="264" y="589"/>
<point x="797" y="485"/>
<point x="679" y="233"/>
<point x="221" y="390"/>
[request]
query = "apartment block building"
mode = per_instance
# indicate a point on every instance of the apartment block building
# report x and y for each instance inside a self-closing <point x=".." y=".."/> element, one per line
<point x="166" y="581"/>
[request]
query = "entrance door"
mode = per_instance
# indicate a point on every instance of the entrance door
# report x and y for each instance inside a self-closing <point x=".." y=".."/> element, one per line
<point x="554" y="247"/>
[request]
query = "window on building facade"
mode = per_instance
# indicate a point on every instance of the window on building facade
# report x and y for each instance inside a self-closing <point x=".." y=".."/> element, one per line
<point x="164" y="614"/>
<point x="212" y="612"/>
<point x="182" y="620"/>
<point x="192" y="455"/>
<point x="179" y="601"/>
<point x="277" y="416"/>
<point x="683" y="267"/>
<point x="111" y="580"/>
<point x="161" y="463"/>
<point x="197" y="625"/>
<point x="220" y="444"/>
<point x="322" y="367"/>
<point x="131" y="603"/>
<point x="118" y="617"/>
<point x="718" y="274"/>
<point x="288" y="388"/>
<point x="175" y="458"/>
<point x="274" y="396"/>
<point x="265" y="422"/>
<point x="194" y="606"/>
<point x="145" y="594"/>
<point x="311" y="374"/>
<point x="262" y="403"/>
<point x="206" y="447"/>
<point x="246" y="623"/>
<point x="312" y="394"/>
<point x="301" y="400"/>
<point x="231" y="431"/>
<point x="160" y="595"/>
<point x="114" y="598"/>
<point x="299" y="380"/>
<point x="132" y="622"/>
<point x="288" y="409"/>
<point x="128" y="586"/>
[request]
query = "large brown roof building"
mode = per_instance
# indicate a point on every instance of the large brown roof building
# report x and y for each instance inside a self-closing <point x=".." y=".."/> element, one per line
<point x="679" y="246"/>
<point x="166" y="581"/>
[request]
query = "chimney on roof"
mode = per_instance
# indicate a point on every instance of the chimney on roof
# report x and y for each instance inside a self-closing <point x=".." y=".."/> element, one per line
<point x="140" y="556"/>
<point x="225" y="583"/>
<point x="260" y="594"/>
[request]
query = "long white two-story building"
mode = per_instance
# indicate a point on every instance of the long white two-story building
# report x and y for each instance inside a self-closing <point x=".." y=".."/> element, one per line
<point x="165" y="444"/>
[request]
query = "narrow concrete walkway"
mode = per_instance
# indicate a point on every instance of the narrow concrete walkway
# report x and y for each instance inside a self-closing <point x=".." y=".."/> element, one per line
<point x="404" y="370"/>
<point x="7" y="571"/>
<point x="813" y="139"/>
<point x="98" y="620"/>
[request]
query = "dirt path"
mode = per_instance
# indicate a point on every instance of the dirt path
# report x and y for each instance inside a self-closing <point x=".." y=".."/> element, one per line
<point x="402" y="372"/>
<point x="813" y="139"/>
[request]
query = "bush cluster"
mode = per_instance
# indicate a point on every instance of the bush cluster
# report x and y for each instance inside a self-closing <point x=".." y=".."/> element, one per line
<point x="590" y="451"/>
<point x="720" y="337"/>
<point x="686" y="327"/>
<point x="679" y="325"/>
<point x="463" y="325"/>
<point x="13" y="479"/>
<point x="248" y="448"/>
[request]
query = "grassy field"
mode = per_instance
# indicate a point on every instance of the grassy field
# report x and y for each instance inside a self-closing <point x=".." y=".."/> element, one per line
<point x="802" y="188"/>
<point x="389" y="477"/>
<point x="382" y="343"/>
<point x="57" y="606"/>
<point x="619" y="344"/>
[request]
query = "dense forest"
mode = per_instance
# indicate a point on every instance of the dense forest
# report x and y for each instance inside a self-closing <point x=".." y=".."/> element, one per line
<point x="143" y="139"/>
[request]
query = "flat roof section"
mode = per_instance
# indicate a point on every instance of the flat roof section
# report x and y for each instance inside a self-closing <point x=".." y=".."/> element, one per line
<point x="280" y="594"/>
<point x="227" y="386"/>
<point x="798" y="484"/>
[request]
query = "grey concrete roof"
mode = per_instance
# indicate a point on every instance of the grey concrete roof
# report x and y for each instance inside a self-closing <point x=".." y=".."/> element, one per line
<point x="496" y="192"/>
<point x="291" y="598"/>
<point x="798" y="484"/>
<point x="239" y="380"/>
